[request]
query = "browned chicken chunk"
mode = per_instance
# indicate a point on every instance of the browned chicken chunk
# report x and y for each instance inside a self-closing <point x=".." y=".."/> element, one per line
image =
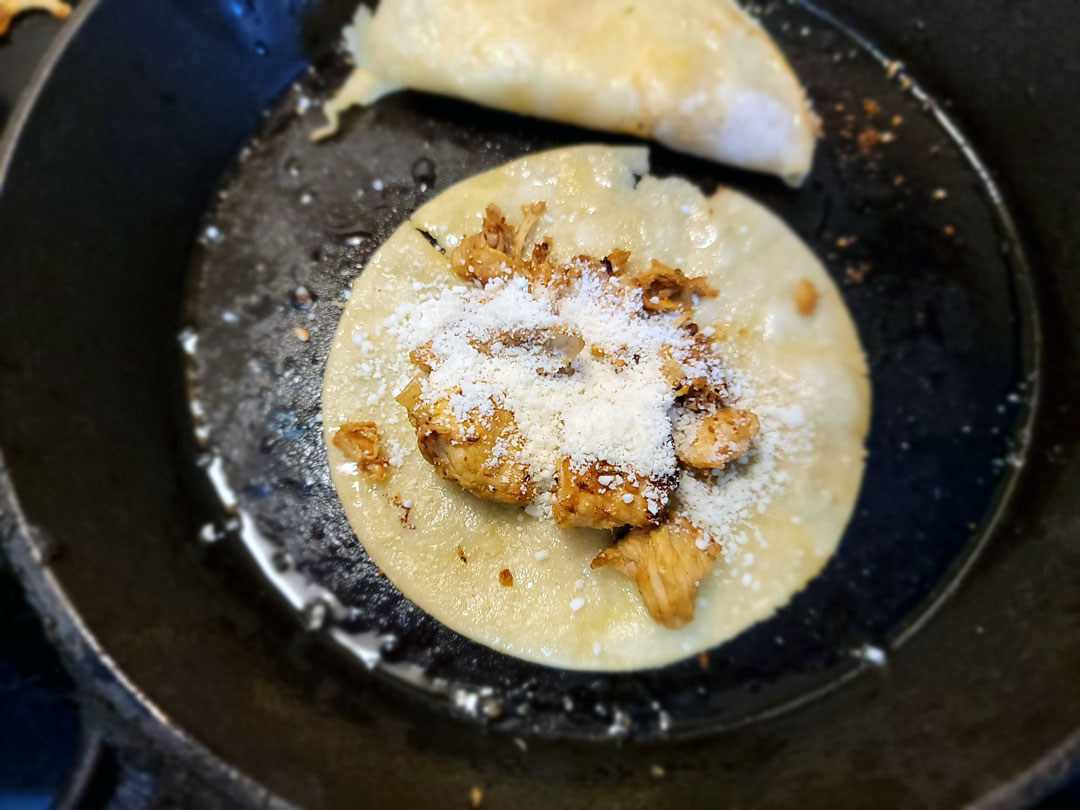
<point x="486" y="255"/>
<point x="664" y="288"/>
<point x="360" y="442"/>
<point x="667" y="566"/>
<point x="557" y="347"/>
<point x="498" y="250"/>
<point x="708" y="441"/>
<point x="603" y="497"/>
<point x="530" y="215"/>
<point x="483" y="458"/>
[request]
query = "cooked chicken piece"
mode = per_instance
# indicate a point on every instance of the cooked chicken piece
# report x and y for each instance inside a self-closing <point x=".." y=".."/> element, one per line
<point x="673" y="371"/>
<point x="708" y="441"/>
<point x="667" y="566"/>
<point x="697" y="392"/>
<point x="603" y="497"/>
<point x="611" y="355"/>
<point x="664" y="289"/>
<point x="556" y="346"/>
<point x="360" y="442"/>
<point x="616" y="261"/>
<point x="539" y="268"/>
<point x="498" y="251"/>
<point x="483" y="458"/>
<point x="530" y="215"/>
<point x="423" y="357"/>
<point x="555" y="279"/>
<point x="486" y="255"/>
<point x="9" y="9"/>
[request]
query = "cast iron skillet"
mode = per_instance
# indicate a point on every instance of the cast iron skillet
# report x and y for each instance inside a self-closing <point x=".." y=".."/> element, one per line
<point x="105" y="186"/>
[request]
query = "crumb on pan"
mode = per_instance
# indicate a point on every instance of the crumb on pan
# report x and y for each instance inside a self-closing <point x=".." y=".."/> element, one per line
<point x="857" y="273"/>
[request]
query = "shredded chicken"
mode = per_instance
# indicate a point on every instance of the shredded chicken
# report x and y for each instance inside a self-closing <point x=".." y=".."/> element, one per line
<point x="557" y="346"/>
<point x="483" y="458"/>
<point x="498" y="250"/>
<point x="667" y="566"/>
<point x="596" y="498"/>
<point x="486" y="255"/>
<point x="530" y="215"/>
<point x="664" y="289"/>
<point x="708" y="441"/>
<point x="695" y="393"/>
<point x="360" y="442"/>
<point x="10" y="9"/>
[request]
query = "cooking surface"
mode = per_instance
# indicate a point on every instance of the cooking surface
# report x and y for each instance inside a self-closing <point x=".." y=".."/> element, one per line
<point x="1045" y="196"/>
<point x="908" y="230"/>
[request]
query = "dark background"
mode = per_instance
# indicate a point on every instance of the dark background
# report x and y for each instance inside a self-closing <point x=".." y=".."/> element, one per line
<point x="40" y="726"/>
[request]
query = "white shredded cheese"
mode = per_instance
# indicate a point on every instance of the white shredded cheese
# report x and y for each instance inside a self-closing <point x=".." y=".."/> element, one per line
<point x="618" y="413"/>
<point x="615" y="406"/>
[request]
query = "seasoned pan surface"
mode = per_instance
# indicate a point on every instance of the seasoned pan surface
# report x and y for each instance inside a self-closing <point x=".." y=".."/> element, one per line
<point x="197" y="651"/>
<point x="898" y="206"/>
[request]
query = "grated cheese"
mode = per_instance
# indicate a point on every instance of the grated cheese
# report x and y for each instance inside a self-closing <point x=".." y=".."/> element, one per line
<point x="617" y="405"/>
<point x="603" y="412"/>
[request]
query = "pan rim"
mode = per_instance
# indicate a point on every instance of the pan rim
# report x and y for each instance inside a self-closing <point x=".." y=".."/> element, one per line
<point x="75" y="639"/>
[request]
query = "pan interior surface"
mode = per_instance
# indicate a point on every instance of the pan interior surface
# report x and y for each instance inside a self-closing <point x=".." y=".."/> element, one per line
<point x="198" y="661"/>
<point x="897" y="207"/>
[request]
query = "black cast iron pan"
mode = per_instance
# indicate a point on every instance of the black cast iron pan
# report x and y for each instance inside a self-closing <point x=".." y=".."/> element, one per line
<point x="160" y="182"/>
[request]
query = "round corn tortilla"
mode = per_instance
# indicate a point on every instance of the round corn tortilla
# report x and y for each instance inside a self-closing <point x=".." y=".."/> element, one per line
<point x="784" y="510"/>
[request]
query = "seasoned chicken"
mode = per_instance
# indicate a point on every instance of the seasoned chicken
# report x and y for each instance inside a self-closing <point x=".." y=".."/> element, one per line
<point x="708" y="441"/>
<point x="667" y="566"/>
<point x="664" y="289"/>
<point x="602" y="497"/>
<point x="555" y="347"/>
<point x="498" y="250"/>
<point x="555" y="279"/>
<point x="689" y="377"/>
<point x="530" y="215"/>
<point x="482" y="457"/>
<point x="486" y="255"/>
<point x="9" y="9"/>
<point x="360" y="442"/>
